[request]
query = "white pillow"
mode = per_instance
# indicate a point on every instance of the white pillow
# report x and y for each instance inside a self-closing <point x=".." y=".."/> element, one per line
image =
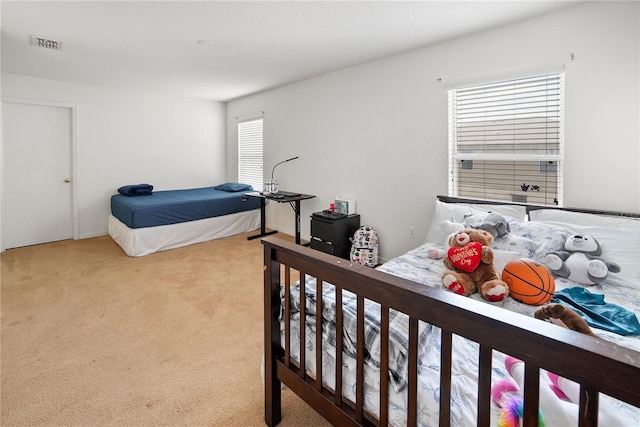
<point x="581" y="218"/>
<point x="547" y="236"/>
<point x="523" y="246"/>
<point x="446" y="211"/>
<point x="458" y="211"/>
<point x="513" y="211"/>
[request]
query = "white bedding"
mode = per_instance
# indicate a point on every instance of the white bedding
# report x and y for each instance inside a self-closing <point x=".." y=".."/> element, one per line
<point x="138" y="242"/>
<point x="416" y="266"/>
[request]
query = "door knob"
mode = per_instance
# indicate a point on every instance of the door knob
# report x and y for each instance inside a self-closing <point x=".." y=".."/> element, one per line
<point x="67" y="180"/>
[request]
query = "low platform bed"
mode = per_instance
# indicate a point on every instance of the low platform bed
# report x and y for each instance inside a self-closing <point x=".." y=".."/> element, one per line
<point x="414" y="353"/>
<point x="163" y="220"/>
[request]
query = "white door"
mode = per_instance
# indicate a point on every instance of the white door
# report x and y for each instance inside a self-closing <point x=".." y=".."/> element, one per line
<point x="37" y="204"/>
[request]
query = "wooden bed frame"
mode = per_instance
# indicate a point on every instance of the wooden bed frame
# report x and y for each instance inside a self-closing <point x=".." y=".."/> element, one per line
<point x="597" y="365"/>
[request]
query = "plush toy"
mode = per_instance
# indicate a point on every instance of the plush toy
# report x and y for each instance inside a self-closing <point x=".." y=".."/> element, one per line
<point x="506" y="394"/>
<point x="559" y="399"/>
<point x="494" y="223"/>
<point x="470" y="261"/>
<point x="579" y="261"/>
<point x="563" y="316"/>
<point x="449" y="228"/>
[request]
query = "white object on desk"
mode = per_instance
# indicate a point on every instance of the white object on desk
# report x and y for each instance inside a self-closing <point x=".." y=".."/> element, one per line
<point x="270" y="186"/>
<point x="345" y="206"/>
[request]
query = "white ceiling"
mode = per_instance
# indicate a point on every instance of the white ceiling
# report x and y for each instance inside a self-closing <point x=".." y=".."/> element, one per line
<point x="252" y="46"/>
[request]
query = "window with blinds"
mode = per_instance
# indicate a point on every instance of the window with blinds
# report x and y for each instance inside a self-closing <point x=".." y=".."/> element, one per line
<point x="506" y="140"/>
<point x="250" y="153"/>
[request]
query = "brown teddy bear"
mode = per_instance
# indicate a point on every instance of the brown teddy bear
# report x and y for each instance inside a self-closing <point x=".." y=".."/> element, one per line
<point x="470" y="260"/>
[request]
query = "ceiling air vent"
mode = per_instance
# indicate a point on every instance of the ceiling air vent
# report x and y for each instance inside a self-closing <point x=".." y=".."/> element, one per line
<point x="46" y="43"/>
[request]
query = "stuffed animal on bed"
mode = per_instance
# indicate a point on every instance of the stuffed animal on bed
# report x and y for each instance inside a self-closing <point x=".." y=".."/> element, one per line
<point x="470" y="263"/>
<point x="579" y="261"/>
<point x="506" y="393"/>
<point x="494" y="223"/>
<point x="449" y="228"/>
<point x="560" y="315"/>
<point x="508" y="397"/>
<point x="559" y="399"/>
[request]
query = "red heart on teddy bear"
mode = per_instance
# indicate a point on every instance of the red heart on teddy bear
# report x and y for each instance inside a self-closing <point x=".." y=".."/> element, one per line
<point x="466" y="258"/>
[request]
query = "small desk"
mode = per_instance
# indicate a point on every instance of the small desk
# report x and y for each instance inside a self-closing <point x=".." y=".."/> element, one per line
<point x="281" y="197"/>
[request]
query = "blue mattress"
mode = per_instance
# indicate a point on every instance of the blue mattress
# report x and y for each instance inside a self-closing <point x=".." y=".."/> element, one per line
<point x="175" y="206"/>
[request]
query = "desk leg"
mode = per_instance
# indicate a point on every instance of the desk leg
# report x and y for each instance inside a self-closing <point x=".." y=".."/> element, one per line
<point x="263" y="216"/>
<point x="297" y="209"/>
<point x="263" y="220"/>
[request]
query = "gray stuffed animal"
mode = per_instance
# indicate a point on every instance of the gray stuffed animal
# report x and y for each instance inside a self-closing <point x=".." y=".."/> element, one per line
<point x="579" y="261"/>
<point x="494" y="223"/>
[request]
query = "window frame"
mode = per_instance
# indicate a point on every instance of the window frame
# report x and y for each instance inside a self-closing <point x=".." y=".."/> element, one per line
<point x="507" y="107"/>
<point x="251" y="152"/>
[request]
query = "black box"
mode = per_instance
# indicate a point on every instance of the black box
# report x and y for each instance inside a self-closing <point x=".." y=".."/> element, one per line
<point x="330" y="232"/>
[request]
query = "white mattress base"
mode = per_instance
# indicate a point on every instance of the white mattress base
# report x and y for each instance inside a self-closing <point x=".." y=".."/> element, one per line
<point x="138" y="242"/>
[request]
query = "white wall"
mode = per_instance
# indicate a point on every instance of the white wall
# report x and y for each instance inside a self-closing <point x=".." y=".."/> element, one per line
<point x="130" y="138"/>
<point x="378" y="132"/>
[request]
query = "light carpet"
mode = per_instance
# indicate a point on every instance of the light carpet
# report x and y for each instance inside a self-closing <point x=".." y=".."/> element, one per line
<point x="90" y="336"/>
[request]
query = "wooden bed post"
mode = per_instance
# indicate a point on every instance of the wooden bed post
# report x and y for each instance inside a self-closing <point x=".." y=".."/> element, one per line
<point x="272" y="345"/>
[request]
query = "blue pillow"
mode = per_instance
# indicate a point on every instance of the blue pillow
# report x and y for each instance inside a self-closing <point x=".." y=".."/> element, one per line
<point x="234" y="187"/>
<point x="136" y="190"/>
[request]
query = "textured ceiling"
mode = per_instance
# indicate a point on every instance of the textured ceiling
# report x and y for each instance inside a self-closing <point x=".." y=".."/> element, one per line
<point x="251" y="46"/>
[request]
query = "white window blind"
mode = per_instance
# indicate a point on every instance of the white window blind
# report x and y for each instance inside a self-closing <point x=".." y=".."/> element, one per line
<point x="250" y="153"/>
<point x="506" y="140"/>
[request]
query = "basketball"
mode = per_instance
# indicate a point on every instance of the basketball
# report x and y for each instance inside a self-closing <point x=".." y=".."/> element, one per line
<point x="529" y="282"/>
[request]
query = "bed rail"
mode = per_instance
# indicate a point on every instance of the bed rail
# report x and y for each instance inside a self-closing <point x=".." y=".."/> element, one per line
<point x="597" y="365"/>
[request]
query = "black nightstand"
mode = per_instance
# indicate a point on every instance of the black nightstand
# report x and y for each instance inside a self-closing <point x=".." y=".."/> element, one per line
<point x="330" y="233"/>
